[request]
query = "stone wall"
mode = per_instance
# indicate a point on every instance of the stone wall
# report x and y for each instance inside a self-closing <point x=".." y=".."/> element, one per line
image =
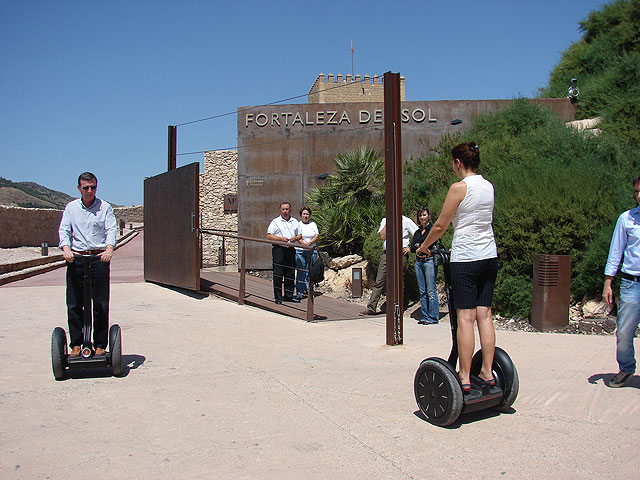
<point x="220" y="178"/>
<point x="132" y="214"/>
<point x="350" y="90"/>
<point x="28" y="227"/>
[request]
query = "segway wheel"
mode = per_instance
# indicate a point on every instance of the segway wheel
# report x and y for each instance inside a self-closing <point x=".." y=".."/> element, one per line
<point x="58" y="352"/>
<point x="438" y="392"/>
<point x="505" y="373"/>
<point x="115" y="348"/>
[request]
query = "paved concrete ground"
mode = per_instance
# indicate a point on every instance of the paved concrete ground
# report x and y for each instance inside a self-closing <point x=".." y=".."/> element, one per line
<point x="216" y="390"/>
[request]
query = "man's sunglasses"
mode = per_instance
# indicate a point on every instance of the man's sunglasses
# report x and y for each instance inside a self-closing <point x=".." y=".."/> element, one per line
<point x="89" y="187"/>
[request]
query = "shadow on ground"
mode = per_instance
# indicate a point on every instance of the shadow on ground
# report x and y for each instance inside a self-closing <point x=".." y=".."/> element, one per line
<point x="633" y="382"/>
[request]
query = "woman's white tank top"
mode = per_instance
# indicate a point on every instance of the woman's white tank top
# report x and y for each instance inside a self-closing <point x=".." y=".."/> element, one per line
<point x="473" y="233"/>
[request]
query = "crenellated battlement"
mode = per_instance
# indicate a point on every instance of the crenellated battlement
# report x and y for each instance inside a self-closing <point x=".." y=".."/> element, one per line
<point x="350" y="89"/>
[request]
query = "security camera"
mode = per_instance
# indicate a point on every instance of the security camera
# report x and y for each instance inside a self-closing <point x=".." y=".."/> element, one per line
<point x="574" y="91"/>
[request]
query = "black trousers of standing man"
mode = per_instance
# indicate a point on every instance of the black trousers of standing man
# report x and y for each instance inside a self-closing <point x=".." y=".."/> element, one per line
<point x="99" y="295"/>
<point x="284" y="265"/>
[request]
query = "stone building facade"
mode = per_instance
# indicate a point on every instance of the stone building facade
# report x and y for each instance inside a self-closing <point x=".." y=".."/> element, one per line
<point x="348" y="89"/>
<point x="220" y="178"/>
<point x="286" y="150"/>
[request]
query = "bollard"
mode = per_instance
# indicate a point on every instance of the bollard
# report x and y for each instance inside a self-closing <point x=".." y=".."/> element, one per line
<point x="45" y="249"/>
<point x="356" y="282"/>
<point x="131" y="226"/>
<point x="121" y="227"/>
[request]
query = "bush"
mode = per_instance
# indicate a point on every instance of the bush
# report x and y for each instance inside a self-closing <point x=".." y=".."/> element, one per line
<point x="588" y="283"/>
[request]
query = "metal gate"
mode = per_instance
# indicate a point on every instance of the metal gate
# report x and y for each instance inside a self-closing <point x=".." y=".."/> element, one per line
<point x="171" y="228"/>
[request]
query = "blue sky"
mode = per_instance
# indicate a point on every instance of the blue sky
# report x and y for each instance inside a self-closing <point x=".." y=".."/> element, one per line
<point x="93" y="85"/>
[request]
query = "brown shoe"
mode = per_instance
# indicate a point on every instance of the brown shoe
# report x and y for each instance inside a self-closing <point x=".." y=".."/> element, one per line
<point x="99" y="352"/>
<point x="366" y="312"/>
<point x="75" y="351"/>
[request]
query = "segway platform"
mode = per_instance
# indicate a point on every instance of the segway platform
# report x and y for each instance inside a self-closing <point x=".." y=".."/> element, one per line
<point x="60" y="359"/>
<point x="437" y="387"/>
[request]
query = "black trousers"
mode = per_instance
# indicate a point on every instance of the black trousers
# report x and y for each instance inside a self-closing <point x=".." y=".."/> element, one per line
<point x="99" y="297"/>
<point x="284" y="265"/>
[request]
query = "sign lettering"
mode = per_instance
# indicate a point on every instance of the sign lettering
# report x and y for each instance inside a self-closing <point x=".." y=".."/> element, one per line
<point x="333" y="117"/>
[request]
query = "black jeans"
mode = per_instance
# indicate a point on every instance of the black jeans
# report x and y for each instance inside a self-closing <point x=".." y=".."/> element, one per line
<point x="99" y="295"/>
<point x="284" y="265"/>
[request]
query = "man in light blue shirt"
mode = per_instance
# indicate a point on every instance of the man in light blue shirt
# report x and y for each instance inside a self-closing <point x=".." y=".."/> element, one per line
<point x="88" y="227"/>
<point x="625" y="246"/>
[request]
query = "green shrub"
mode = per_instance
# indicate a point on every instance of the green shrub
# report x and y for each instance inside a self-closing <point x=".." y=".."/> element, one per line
<point x="372" y="248"/>
<point x="512" y="295"/>
<point x="589" y="280"/>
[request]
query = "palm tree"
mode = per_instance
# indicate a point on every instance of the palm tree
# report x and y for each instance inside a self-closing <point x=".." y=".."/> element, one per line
<point x="351" y="202"/>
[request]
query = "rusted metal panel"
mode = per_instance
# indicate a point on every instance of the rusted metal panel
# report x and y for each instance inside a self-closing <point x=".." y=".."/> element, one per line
<point x="172" y="146"/>
<point x="171" y="230"/>
<point x="284" y="149"/>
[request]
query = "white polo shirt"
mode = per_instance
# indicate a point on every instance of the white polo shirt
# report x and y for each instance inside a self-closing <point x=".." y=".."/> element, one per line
<point x="408" y="229"/>
<point x="284" y="228"/>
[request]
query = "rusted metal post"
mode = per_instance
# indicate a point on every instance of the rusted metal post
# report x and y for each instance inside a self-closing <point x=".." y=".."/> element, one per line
<point x="173" y="140"/>
<point x="310" y="315"/>
<point x="242" y="288"/>
<point x="224" y="253"/>
<point x="393" y="198"/>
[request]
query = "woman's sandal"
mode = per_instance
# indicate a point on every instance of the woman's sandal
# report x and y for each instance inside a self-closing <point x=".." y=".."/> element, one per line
<point x="466" y="387"/>
<point x="491" y="382"/>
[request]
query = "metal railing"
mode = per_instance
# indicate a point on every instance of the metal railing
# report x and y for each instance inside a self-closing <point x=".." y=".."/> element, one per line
<point x="242" y="251"/>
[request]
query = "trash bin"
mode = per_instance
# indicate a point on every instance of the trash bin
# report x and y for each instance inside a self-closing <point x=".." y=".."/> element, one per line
<point x="551" y="290"/>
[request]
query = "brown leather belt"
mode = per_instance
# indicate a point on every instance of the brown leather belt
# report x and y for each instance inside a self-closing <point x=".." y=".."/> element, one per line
<point x="88" y="252"/>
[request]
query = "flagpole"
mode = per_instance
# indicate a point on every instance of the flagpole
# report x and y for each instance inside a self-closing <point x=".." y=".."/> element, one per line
<point x="352" y="72"/>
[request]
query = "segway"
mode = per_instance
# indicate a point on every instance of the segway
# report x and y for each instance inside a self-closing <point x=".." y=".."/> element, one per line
<point x="437" y="387"/>
<point x="60" y="359"/>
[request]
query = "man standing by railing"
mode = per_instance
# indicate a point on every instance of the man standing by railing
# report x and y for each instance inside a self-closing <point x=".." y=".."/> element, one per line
<point x="284" y="228"/>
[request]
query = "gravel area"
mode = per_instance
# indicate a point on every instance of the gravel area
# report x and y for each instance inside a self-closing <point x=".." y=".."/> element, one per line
<point x="22" y="254"/>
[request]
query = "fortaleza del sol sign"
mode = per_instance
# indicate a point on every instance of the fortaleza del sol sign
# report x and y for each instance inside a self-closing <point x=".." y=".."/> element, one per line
<point x="332" y="117"/>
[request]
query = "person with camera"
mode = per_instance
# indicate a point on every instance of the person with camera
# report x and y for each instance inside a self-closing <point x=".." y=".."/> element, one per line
<point x="426" y="271"/>
<point x="474" y="258"/>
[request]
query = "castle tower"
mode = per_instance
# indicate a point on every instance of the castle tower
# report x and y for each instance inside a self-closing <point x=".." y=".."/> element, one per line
<point x="350" y="89"/>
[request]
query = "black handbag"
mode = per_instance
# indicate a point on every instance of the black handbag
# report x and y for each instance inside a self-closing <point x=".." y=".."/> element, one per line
<point x="316" y="274"/>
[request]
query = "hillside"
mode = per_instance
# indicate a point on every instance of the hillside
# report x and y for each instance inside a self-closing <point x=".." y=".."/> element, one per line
<point x="31" y="195"/>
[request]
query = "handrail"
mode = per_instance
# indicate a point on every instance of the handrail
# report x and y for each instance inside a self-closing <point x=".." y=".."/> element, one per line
<point x="242" y="244"/>
<point x="214" y="231"/>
